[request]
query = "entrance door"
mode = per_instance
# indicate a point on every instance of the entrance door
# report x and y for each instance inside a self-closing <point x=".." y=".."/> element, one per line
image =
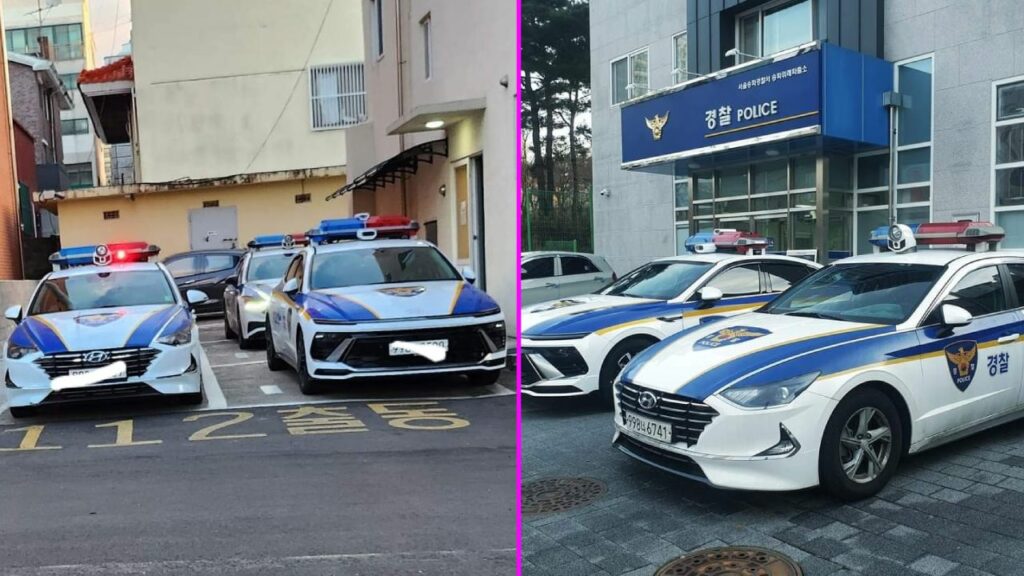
<point x="210" y="228"/>
<point x="476" y="180"/>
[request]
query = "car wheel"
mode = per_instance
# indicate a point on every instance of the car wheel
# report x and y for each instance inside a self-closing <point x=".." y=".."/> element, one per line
<point x="485" y="378"/>
<point x="307" y="384"/>
<point x="228" y="332"/>
<point x="23" y="411"/>
<point x="616" y="360"/>
<point x="274" y="362"/>
<point x="862" y="445"/>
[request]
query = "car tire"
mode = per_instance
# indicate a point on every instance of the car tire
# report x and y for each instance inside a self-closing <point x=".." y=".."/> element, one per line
<point x="228" y="332"/>
<point x="22" y="411"/>
<point x="854" y="429"/>
<point x="307" y="384"/>
<point x="616" y="360"/>
<point x="486" y="378"/>
<point x="274" y="362"/>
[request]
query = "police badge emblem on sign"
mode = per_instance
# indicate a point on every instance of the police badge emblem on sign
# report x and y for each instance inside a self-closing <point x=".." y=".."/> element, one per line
<point x="962" y="361"/>
<point x="731" y="335"/>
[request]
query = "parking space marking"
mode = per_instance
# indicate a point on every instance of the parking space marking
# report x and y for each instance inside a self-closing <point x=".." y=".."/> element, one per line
<point x="214" y="395"/>
<point x="215" y="341"/>
<point x="241" y="354"/>
<point x="30" y="441"/>
<point x="238" y="364"/>
<point x="271" y="389"/>
<point x="125" y="435"/>
<point x="496" y="391"/>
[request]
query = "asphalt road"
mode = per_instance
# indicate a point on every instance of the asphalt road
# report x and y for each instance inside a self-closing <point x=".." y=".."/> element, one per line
<point x="394" y="478"/>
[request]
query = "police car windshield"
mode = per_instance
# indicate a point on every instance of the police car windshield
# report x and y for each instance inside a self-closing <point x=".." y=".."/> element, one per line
<point x="875" y="293"/>
<point x="363" y="267"/>
<point x="268" y="266"/>
<point x="658" y="280"/>
<point x="102" y="290"/>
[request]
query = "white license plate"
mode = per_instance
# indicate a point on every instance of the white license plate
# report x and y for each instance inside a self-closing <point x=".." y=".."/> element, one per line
<point x="120" y="374"/>
<point x="648" y="426"/>
<point x="395" y="349"/>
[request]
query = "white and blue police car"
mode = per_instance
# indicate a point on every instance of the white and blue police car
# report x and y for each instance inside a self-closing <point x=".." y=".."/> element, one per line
<point x="247" y="295"/>
<point x="366" y="300"/>
<point x="105" y="324"/>
<point x="577" y="346"/>
<point x="868" y="359"/>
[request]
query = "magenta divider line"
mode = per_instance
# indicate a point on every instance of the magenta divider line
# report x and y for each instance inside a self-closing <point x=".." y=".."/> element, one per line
<point x="519" y="285"/>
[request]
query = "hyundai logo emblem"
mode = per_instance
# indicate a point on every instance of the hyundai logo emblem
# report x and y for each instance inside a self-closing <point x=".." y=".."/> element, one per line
<point x="647" y="400"/>
<point x="96" y="356"/>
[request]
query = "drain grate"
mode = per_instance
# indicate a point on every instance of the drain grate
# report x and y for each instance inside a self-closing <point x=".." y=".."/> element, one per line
<point x="552" y="495"/>
<point x="732" y="561"/>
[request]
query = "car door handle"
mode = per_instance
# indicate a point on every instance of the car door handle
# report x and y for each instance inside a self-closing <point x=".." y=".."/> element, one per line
<point x="599" y="278"/>
<point x="551" y="285"/>
<point x="1008" y="338"/>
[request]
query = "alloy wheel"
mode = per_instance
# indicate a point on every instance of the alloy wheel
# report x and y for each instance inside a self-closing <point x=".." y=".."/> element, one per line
<point x="865" y="444"/>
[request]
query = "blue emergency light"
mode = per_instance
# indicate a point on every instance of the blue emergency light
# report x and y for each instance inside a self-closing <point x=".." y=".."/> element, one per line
<point x="264" y="241"/>
<point x="102" y="254"/>
<point x="363" y="227"/>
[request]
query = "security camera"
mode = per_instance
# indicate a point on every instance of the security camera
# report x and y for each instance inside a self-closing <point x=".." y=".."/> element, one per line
<point x="605" y="192"/>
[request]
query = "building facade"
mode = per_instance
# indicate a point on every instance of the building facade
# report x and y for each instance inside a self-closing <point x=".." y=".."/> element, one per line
<point x="440" y="139"/>
<point x="67" y="29"/>
<point x="223" y="148"/>
<point x="810" y="171"/>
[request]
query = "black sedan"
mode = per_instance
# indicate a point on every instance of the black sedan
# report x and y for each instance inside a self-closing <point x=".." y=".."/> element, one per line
<point x="207" y="271"/>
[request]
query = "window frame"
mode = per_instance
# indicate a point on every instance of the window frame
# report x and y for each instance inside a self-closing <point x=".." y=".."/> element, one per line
<point x="761" y="281"/>
<point x="377" y="28"/>
<point x="995" y="209"/>
<point x="679" y="69"/>
<point x="628" y="57"/>
<point x="760" y="10"/>
<point x="561" y="266"/>
<point x="354" y="73"/>
<point x="426" y="30"/>
<point x="555" y="265"/>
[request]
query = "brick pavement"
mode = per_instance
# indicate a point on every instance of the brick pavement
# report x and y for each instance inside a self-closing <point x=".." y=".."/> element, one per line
<point x="956" y="510"/>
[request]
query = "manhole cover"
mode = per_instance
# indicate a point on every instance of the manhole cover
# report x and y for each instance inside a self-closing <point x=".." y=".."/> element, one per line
<point x="560" y="494"/>
<point x="732" y="561"/>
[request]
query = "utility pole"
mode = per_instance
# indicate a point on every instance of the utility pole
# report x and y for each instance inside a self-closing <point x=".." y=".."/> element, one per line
<point x="892" y="101"/>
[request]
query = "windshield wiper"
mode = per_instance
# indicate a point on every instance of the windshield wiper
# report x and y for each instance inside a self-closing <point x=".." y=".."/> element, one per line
<point x="814" y="315"/>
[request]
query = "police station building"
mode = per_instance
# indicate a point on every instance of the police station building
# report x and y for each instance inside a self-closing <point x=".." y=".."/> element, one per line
<point x="774" y="117"/>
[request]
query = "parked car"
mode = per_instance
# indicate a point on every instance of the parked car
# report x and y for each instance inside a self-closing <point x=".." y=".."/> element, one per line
<point x="206" y="271"/>
<point x="552" y="275"/>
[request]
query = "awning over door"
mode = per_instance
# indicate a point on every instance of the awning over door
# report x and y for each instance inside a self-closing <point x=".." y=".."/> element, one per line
<point x="395" y="168"/>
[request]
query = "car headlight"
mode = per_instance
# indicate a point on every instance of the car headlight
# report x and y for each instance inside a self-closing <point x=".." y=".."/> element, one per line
<point x="178" y="331"/>
<point x="16" y="351"/>
<point x="768" y="395"/>
<point x="254" y="304"/>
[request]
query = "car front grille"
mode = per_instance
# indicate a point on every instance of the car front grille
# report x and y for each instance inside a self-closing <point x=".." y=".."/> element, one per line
<point x="100" y="393"/>
<point x="136" y="360"/>
<point x="688" y="417"/>
<point x="370" y="350"/>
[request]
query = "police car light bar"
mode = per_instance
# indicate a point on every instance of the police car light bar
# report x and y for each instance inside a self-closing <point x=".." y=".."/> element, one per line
<point x="363" y="227"/>
<point x="965" y="232"/>
<point x="103" y="254"/>
<point x="286" y="241"/>
<point x="728" y="240"/>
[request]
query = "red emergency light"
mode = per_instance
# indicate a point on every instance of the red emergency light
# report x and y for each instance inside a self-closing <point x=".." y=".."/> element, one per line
<point x="963" y="232"/>
<point x="739" y="241"/>
<point x="132" y="251"/>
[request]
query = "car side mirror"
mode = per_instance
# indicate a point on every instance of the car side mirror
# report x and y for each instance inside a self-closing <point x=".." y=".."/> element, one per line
<point x="291" y="286"/>
<point x="13" y="314"/>
<point x="195" y="297"/>
<point x="954" y="316"/>
<point x="469" y="274"/>
<point x="709" y="295"/>
<point x="231" y="281"/>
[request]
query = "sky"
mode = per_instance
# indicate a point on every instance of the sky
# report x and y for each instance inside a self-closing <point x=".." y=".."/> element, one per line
<point x="111" y="26"/>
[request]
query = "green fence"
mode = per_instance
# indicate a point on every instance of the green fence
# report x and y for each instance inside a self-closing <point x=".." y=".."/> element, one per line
<point x="558" y="221"/>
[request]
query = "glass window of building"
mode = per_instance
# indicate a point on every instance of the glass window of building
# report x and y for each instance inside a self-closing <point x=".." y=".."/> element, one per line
<point x="913" y="160"/>
<point x="775" y="27"/>
<point x="629" y="77"/>
<point x="682" y="212"/>
<point x="79" y="175"/>
<point x="65" y="40"/>
<point x="74" y="126"/>
<point x="1009" y="161"/>
<point x="679" y="56"/>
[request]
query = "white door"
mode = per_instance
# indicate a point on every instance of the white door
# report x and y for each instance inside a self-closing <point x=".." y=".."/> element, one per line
<point x="975" y="371"/>
<point x="538" y="280"/>
<point x="211" y="228"/>
<point x="580" y="276"/>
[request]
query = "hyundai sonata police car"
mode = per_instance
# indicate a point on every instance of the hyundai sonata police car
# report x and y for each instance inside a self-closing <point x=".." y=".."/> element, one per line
<point x="106" y="323"/>
<point x="248" y="294"/>
<point x="864" y="361"/>
<point x="578" y="345"/>
<point x="365" y="300"/>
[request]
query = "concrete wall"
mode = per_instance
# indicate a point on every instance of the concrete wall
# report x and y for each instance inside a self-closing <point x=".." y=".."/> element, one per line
<point x="634" y="223"/>
<point x="13" y="292"/>
<point x="212" y="79"/>
<point x="162" y="217"/>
